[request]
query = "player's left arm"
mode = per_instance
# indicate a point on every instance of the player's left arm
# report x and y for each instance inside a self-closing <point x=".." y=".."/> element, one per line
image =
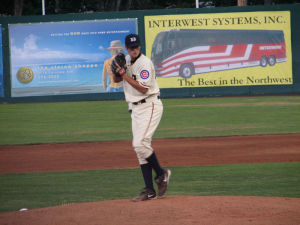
<point x="124" y="76"/>
<point x="134" y="83"/>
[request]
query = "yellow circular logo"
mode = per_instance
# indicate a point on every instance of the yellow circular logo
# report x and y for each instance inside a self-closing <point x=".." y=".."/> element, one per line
<point x="25" y="75"/>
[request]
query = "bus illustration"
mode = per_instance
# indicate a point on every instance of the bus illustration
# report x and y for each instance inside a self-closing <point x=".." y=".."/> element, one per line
<point x="185" y="52"/>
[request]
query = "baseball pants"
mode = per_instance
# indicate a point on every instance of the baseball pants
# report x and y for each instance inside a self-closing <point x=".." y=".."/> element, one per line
<point x="145" y="119"/>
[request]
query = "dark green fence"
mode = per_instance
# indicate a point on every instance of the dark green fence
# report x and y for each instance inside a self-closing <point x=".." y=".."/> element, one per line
<point x="166" y="93"/>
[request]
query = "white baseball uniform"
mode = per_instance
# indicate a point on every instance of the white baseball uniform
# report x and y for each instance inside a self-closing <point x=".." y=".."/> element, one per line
<point x="147" y="108"/>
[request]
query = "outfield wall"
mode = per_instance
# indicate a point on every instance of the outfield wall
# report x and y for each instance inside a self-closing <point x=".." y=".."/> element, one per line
<point x="62" y="57"/>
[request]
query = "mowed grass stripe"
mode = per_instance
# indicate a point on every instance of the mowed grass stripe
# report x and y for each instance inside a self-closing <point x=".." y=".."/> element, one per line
<point x="36" y="190"/>
<point x="110" y="120"/>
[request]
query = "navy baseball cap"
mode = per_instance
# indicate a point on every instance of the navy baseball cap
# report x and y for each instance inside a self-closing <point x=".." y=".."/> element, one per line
<point x="132" y="41"/>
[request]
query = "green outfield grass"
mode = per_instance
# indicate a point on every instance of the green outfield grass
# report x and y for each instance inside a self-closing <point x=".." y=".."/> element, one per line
<point x="36" y="190"/>
<point x="109" y="120"/>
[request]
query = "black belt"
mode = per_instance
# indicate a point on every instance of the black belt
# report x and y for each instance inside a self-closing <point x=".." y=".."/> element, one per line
<point x="143" y="101"/>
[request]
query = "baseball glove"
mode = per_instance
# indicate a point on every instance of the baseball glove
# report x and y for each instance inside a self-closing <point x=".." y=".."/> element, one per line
<point x="121" y="61"/>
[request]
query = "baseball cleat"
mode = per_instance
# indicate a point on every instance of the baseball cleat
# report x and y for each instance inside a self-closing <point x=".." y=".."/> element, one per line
<point x="146" y="194"/>
<point x="162" y="182"/>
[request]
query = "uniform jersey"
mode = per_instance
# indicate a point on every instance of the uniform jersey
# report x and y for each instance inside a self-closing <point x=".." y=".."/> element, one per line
<point x="142" y="70"/>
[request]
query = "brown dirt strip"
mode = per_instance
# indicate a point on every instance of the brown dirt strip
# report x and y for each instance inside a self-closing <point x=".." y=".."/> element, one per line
<point x="171" y="152"/>
<point x="175" y="210"/>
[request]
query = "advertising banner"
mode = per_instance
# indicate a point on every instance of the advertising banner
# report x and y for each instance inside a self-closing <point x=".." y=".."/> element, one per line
<point x="65" y="57"/>
<point x="222" y="49"/>
<point x="1" y="66"/>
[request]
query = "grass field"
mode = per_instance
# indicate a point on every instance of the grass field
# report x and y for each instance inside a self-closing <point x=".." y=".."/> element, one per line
<point x="109" y="120"/>
<point x="37" y="190"/>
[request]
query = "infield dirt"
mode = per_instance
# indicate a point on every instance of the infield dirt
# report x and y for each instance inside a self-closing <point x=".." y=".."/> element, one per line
<point x="171" y="152"/>
<point x="172" y="209"/>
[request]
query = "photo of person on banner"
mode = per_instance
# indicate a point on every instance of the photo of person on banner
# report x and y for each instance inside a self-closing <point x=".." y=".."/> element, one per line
<point x="109" y="85"/>
<point x="65" y="57"/>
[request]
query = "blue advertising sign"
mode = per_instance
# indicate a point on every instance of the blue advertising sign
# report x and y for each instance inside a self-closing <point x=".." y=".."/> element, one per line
<point x="1" y="66"/>
<point x="65" y="57"/>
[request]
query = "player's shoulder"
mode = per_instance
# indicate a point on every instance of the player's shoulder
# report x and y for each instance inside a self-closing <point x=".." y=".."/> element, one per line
<point x="144" y="60"/>
<point x="143" y="57"/>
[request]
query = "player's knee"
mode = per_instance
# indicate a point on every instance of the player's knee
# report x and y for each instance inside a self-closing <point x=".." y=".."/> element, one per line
<point x="137" y="144"/>
<point x="142" y="152"/>
<point x="142" y="161"/>
<point x="140" y="143"/>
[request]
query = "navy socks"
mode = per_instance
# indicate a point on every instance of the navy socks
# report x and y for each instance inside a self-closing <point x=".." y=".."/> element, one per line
<point x="147" y="170"/>
<point x="153" y="161"/>
<point x="147" y="174"/>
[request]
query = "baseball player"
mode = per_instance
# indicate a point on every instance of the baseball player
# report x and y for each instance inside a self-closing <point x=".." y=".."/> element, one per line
<point x="141" y="89"/>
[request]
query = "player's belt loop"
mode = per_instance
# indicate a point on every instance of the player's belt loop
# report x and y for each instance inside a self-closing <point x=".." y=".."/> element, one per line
<point x="144" y="100"/>
<point x="140" y="102"/>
